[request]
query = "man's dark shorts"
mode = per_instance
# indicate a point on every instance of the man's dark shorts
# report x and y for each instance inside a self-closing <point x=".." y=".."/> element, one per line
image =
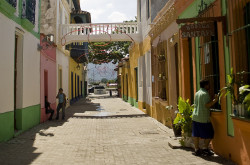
<point x="203" y="130"/>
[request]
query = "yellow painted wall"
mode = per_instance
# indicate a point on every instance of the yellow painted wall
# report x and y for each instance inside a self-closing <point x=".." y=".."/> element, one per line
<point x="72" y="68"/>
<point x="136" y="51"/>
<point x="134" y="54"/>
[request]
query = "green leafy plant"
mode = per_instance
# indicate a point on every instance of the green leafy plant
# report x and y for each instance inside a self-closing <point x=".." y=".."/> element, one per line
<point x="245" y="90"/>
<point x="229" y="88"/>
<point x="184" y="116"/>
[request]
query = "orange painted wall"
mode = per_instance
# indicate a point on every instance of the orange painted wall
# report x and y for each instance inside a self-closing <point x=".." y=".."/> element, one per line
<point x="236" y="148"/>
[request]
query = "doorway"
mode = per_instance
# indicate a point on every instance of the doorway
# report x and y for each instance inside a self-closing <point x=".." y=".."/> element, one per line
<point x="136" y="83"/>
<point x="78" y="87"/>
<point x="127" y="86"/>
<point x="46" y="84"/>
<point x="18" y="77"/>
<point x="72" y="86"/>
<point x="176" y="70"/>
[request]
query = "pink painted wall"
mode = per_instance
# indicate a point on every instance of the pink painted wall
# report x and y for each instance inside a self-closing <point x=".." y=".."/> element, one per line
<point x="48" y="65"/>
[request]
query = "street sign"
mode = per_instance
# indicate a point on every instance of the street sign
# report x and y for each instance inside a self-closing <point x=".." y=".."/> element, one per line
<point x="198" y="30"/>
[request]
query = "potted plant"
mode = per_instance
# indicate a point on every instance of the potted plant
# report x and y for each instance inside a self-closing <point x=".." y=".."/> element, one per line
<point x="184" y="120"/>
<point x="229" y="90"/>
<point x="245" y="92"/>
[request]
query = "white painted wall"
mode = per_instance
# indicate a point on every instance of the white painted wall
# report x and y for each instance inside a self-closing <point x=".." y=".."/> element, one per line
<point x="148" y="78"/>
<point x="63" y="61"/>
<point x="142" y="93"/>
<point x="31" y="70"/>
<point x="7" y="43"/>
<point x="145" y="22"/>
<point x="29" y="88"/>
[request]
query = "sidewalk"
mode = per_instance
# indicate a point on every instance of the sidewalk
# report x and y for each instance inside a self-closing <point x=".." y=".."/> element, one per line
<point x="100" y="131"/>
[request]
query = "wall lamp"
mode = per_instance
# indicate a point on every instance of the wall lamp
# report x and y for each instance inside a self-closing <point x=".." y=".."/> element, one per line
<point x="46" y="42"/>
<point x="78" y="67"/>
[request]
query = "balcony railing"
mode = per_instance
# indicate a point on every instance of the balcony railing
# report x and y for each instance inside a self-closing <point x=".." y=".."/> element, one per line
<point x="100" y="32"/>
<point x="29" y="10"/>
<point x="12" y="3"/>
<point x="98" y="29"/>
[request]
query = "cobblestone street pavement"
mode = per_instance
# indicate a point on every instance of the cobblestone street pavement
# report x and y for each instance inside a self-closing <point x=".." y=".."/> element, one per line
<point x="99" y="131"/>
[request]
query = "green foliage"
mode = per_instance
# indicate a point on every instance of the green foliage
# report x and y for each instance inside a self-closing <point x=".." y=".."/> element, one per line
<point x="104" y="80"/>
<point x="105" y="52"/>
<point x="229" y="88"/>
<point x="184" y="116"/>
<point x="111" y="81"/>
<point x="244" y="90"/>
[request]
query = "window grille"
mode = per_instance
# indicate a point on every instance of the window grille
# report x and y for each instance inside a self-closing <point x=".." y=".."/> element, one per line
<point x="12" y="3"/>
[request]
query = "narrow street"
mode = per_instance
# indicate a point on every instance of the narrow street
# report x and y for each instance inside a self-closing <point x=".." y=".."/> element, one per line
<point x="102" y="131"/>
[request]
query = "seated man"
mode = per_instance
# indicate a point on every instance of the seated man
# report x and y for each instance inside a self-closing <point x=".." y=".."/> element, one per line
<point x="48" y="108"/>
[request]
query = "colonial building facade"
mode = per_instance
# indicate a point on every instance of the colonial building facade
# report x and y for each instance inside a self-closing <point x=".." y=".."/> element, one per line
<point x="174" y="55"/>
<point x="20" y="66"/>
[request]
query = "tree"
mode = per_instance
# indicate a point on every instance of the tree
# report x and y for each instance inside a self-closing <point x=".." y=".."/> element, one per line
<point x="105" y="52"/>
<point x="104" y="80"/>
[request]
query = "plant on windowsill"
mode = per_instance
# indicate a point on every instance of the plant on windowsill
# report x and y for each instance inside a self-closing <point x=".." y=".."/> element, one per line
<point x="245" y="92"/>
<point x="183" y="119"/>
<point x="161" y="57"/>
<point x="229" y="90"/>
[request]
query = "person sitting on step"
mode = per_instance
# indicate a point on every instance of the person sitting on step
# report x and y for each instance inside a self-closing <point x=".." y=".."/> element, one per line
<point x="48" y="108"/>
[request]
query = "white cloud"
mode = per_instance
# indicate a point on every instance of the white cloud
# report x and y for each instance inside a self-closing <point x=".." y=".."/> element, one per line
<point x="110" y="5"/>
<point x="96" y="14"/>
<point x="104" y="11"/>
<point x="117" y="17"/>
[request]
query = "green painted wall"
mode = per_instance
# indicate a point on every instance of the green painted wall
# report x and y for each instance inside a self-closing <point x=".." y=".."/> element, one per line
<point x="29" y="117"/>
<point x="6" y="126"/>
<point x="192" y="10"/>
<point x="8" y="11"/>
<point x="230" y="126"/>
<point x="131" y="101"/>
<point x="125" y="98"/>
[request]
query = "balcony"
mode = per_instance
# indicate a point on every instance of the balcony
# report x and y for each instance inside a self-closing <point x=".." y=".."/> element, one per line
<point x="98" y="32"/>
<point x="78" y="52"/>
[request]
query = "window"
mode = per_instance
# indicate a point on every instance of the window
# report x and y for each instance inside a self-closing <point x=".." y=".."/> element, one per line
<point x="12" y="2"/>
<point x="148" y="9"/>
<point x="139" y="11"/>
<point x="239" y="29"/>
<point x="247" y="23"/>
<point x="31" y="11"/>
<point x="209" y="63"/>
<point x="159" y="71"/>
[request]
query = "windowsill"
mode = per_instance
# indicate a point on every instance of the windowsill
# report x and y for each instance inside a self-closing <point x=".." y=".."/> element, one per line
<point x="240" y="118"/>
<point x="7" y="8"/>
<point x="241" y="123"/>
<point x="158" y="99"/>
<point x="27" y="24"/>
<point x="215" y="110"/>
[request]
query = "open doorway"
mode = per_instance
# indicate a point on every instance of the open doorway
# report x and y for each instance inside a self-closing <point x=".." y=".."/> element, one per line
<point x="46" y="83"/>
<point x="18" y="78"/>
<point x="176" y="69"/>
